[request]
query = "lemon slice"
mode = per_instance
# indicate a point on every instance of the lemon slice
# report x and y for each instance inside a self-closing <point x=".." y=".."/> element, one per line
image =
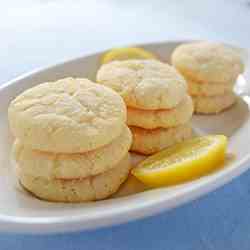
<point x="182" y="162"/>
<point x="126" y="54"/>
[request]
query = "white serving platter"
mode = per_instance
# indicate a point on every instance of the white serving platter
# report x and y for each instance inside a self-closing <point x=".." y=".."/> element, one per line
<point x="21" y="212"/>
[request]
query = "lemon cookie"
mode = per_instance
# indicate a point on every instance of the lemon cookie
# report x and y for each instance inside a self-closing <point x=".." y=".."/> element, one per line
<point x="144" y="84"/>
<point x="78" y="190"/>
<point x="67" y="116"/>
<point x="213" y="104"/>
<point x="208" y="62"/>
<point x="163" y="118"/>
<point x="148" y="141"/>
<point x="211" y="70"/>
<point x="72" y="166"/>
<point x="208" y="89"/>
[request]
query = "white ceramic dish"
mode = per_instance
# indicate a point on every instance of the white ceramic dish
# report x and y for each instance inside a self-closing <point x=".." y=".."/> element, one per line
<point x="20" y="212"/>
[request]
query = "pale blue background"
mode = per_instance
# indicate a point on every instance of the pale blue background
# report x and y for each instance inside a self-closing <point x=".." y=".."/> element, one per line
<point x="37" y="33"/>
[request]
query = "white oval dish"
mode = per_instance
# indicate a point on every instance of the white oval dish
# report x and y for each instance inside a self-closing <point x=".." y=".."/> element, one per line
<point x="21" y="212"/>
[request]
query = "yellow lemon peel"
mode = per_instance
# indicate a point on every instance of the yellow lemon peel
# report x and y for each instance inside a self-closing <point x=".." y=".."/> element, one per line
<point x="182" y="162"/>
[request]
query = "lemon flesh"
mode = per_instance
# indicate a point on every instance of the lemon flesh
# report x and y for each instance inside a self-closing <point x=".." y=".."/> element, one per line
<point x="183" y="162"/>
<point x="126" y="54"/>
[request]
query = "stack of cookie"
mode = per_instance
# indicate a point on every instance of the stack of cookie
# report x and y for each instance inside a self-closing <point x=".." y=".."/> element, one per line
<point x="159" y="108"/>
<point x="211" y="70"/>
<point x="72" y="141"/>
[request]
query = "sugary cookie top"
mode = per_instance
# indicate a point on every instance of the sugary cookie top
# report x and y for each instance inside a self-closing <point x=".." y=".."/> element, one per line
<point x="144" y="84"/>
<point x="208" y="62"/>
<point x="68" y="115"/>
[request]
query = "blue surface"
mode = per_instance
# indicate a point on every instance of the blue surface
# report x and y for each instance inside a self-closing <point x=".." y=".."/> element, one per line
<point x="219" y="221"/>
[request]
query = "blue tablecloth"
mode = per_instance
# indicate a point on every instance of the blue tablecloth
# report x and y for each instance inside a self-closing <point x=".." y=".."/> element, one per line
<point x="218" y="221"/>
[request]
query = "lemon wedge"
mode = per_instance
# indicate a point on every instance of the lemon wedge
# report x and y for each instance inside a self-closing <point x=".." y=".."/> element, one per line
<point x="182" y="162"/>
<point x="126" y="54"/>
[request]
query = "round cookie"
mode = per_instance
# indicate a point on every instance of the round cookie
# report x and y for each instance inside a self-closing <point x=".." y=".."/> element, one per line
<point x="208" y="89"/>
<point x="144" y="84"/>
<point x="213" y="104"/>
<point x="163" y="118"/>
<point x="208" y="62"/>
<point x="78" y="190"/>
<point x="67" y="116"/>
<point x="151" y="141"/>
<point x="72" y="166"/>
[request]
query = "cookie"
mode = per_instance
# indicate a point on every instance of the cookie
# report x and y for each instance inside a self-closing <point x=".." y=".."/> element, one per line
<point x="144" y="84"/>
<point x="78" y="190"/>
<point x="147" y="141"/>
<point x="72" y="166"/>
<point x="213" y="104"/>
<point x="163" y="118"/>
<point x="205" y="62"/>
<point x="208" y="89"/>
<point x="67" y="116"/>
